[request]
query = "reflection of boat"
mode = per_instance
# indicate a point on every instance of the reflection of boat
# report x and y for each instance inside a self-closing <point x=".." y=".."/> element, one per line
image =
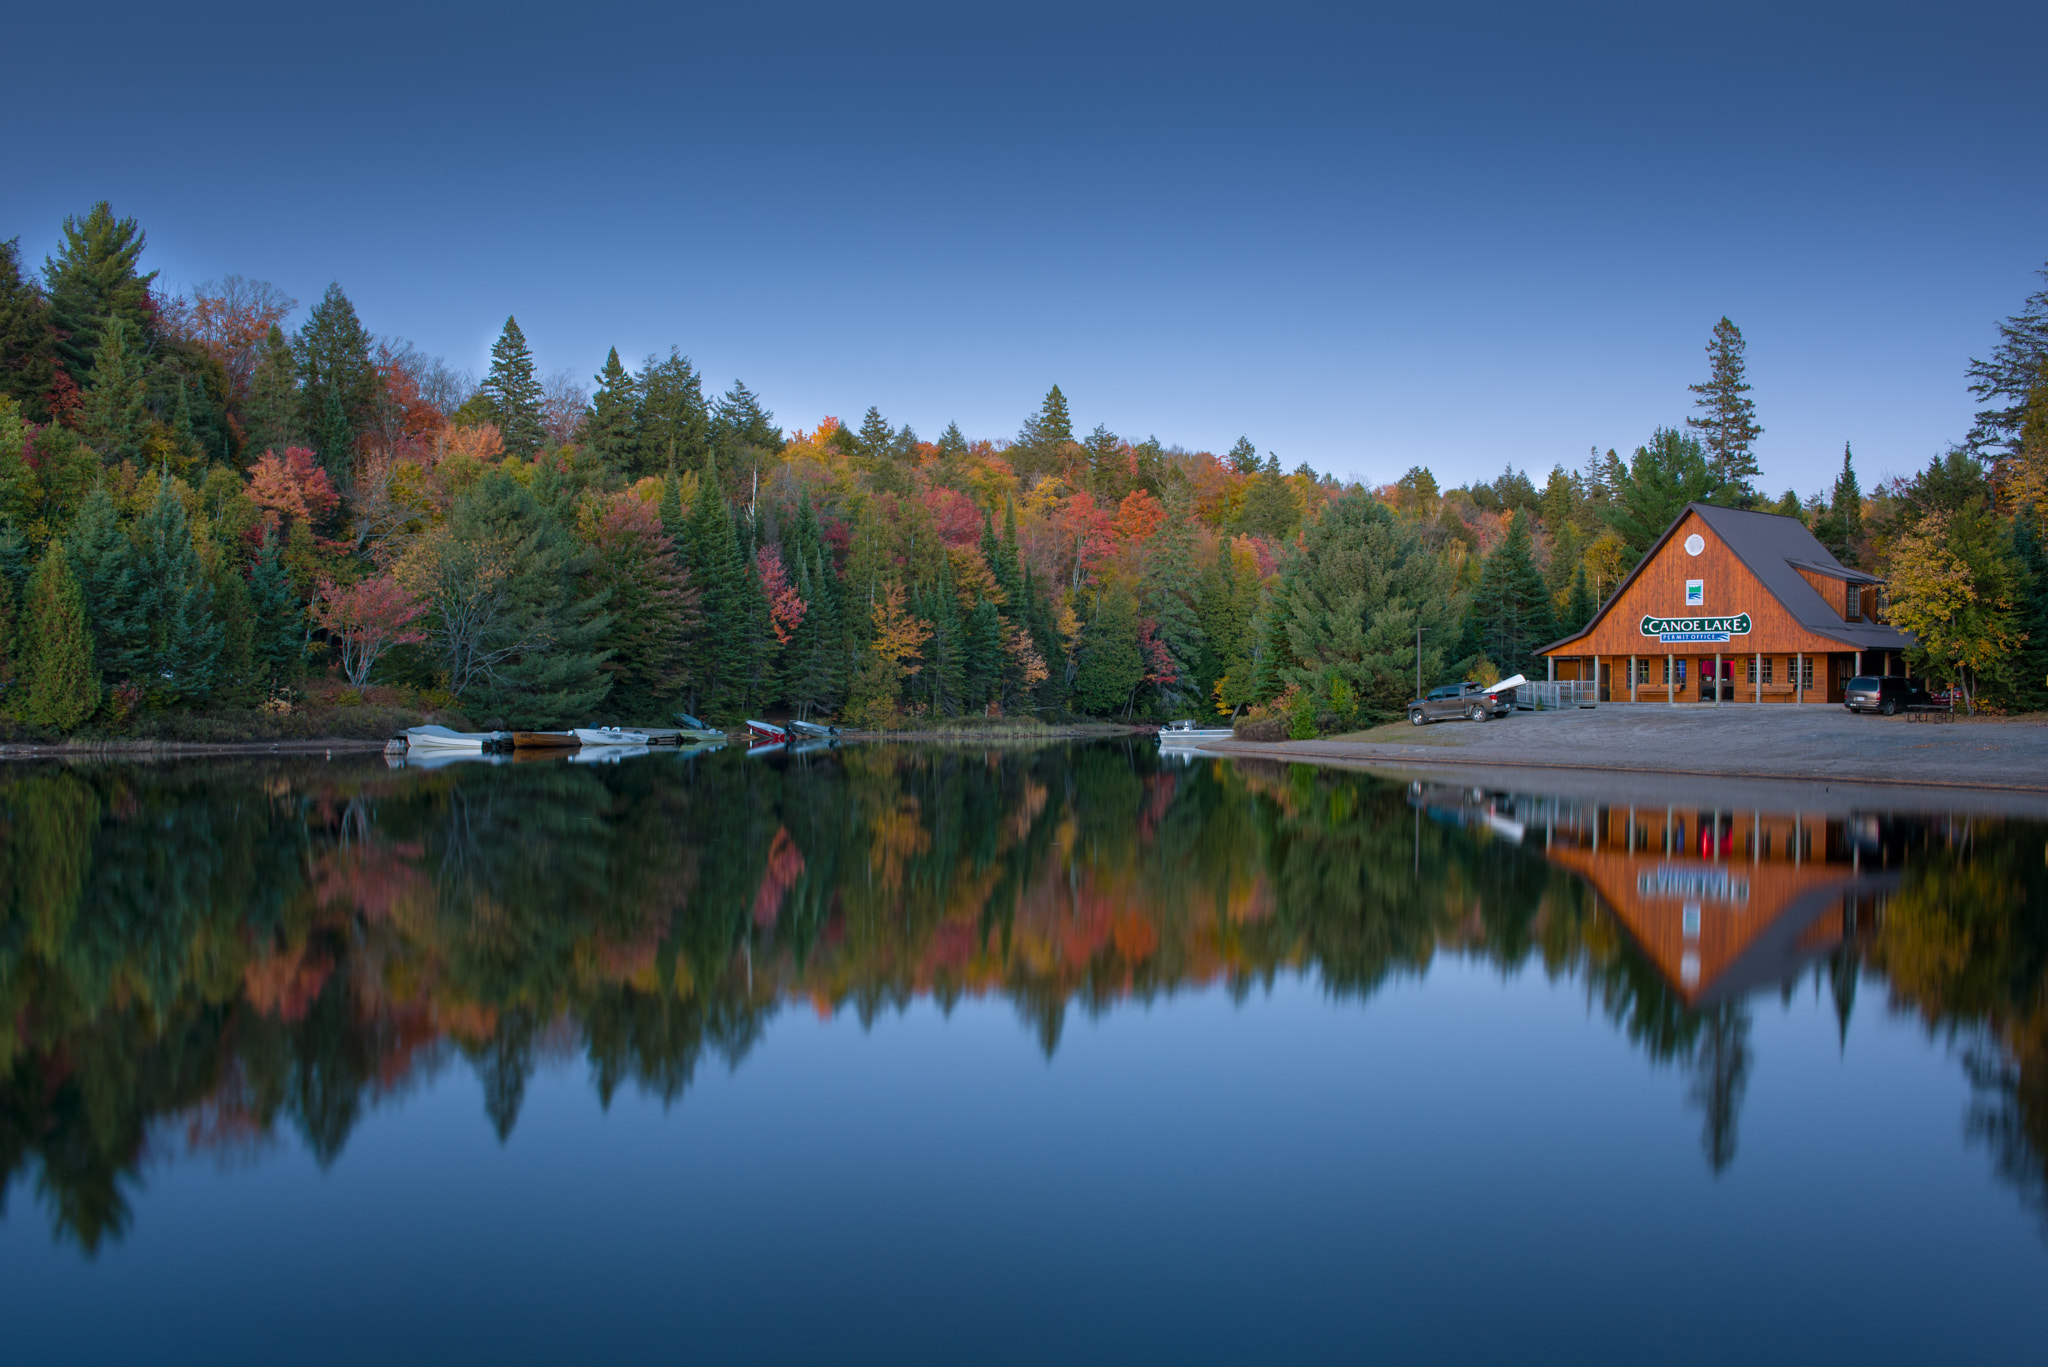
<point x="766" y="730"/>
<point x="442" y="758"/>
<point x="441" y="738"/>
<point x="609" y="735"/>
<point x="544" y="740"/>
<point x="816" y="730"/>
<point x="765" y="747"/>
<point x="1185" y="732"/>
<point x="606" y="754"/>
<point x="811" y="745"/>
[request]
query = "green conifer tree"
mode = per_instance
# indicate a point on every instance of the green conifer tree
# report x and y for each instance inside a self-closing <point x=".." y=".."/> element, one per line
<point x="1840" y="528"/>
<point x="1169" y="594"/>
<point x="1665" y="475"/>
<point x="1009" y="562"/>
<point x="1579" y="607"/>
<point x="116" y="415"/>
<point x="63" y="689"/>
<point x="91" y="281"/>
<point x="271" y="415"/>
<point x="944" y="676"/>
<point x="238" y="673"/>
<point x="981" y="656"/>
<point x="278" y="636"/>
<point x="2029" y="555"/>
<point x="102" y="559"/>
<point x="1510" y="614"/>
<point x="671" y="416"/>
<point x="514" y="394"/>
<point x="740" y="424"/>
<point x="1271" y="507"/>
<point x="181" y="643"/>
<point x="28" y="349"/>
<point x="14" y="558"/>
<point x="1244" y="457"/>
<point x="1111" y="663"/>
<point x="11" y="642"/>
<point x="1726" y="420"/>
<point x="719" y="660"/>
<point x="611" y="427"/>
<point x="339" y="387"/>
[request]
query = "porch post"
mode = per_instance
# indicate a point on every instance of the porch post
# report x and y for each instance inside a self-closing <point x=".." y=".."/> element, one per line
<point x="1631" y="678"/>
<point x="1859" y="662"/>
<point x="1757" y="678"/>
<point x="1798" y="678"/>
<point x="1670" y="684"/>
<point x="1717" y="678"/>
<point x="1551" y="662"/>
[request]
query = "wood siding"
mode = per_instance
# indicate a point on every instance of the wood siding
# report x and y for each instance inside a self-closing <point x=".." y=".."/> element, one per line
<point x="1659" y="591"/>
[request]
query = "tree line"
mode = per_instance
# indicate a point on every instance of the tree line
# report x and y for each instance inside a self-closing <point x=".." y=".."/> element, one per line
<point x="200" y="507"/>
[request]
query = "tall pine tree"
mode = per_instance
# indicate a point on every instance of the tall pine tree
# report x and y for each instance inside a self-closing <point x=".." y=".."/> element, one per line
<point x="1510" y="614"/>
<point x="116" y="415"/>
<point x="63" y="688"/>
<point x="278" y="638"/>
<point x="338" y="384"/>
<point x="611" y="428"/>
<point x="28" y="348"/>
<point x="182" y="637"/>
<point x="91" y="281"/>
<point x="1726" y="417"/>
<point x="671" y="417"/>
<point x="271" y="415"/>
<point x="514" y="394"/>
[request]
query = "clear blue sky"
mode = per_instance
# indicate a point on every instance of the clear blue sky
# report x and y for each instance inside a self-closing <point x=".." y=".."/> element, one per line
<point x="1457" y="235"/>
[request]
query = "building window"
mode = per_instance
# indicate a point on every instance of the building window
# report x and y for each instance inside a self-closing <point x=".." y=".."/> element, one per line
<point x="1884" y="605"/>
<point x="1750" y="669"/>
<point x="1855" y="613"/>
<point x="1806" y="672"/>
<point x="1767" y="668"/>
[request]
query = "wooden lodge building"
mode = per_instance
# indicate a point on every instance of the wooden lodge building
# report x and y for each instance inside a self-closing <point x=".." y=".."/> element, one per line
<point x="1750" y="599"/>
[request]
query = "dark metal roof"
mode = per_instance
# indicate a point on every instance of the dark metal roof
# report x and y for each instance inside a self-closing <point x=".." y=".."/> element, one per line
<point x="1774" y="548"/>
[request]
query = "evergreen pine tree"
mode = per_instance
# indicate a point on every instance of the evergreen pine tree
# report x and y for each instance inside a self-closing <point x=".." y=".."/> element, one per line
<point x="1510" y="614"/>
<point x="1111" y="662"/>
<point x="981" y="656"/>
<point x="1271" y="507"/>
<point x="739" y="422"/>
<point x="759" y="646"/>
<point x="719" y="659"/>
<point x="181" y="641"/>
<point x="103" y="561"/>
<point x="1840" y="528"/>
<point x="673" y="523"/>
<point x="2029" y="669"/>
<point x="14" y="559"/>
<point x="338" y="385"/>
<point x="671" y="417"/>
<point x="271" y="415"/>
<point x="1726" y="420"/>
<point x="238" y="675"/>
<point x="1580" y="607"/>
<point x="1170" y="590"/>
<point x="278" y="637"/>
<point x="1244" y="457"/>
<point x="611" y="428"/>
<point x="91" y="281"/>
<point x="63" y="689"/>
<point x="514" y="394"/>
<point x="952" y="442"/>
<point x="945" y="653"/>
<point x="11" y="642"/>
<point x="1009" y="564"/>
<point x="1665" y="475"/>
<point x="1110" y="475"/>
<point x="28" y="349"/>
<point x="116" y="416"/>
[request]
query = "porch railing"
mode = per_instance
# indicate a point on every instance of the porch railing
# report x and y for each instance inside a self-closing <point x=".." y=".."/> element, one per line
<point x="1557" y="694"/>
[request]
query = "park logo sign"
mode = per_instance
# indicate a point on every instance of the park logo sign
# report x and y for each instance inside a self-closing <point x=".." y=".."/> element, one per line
<point x="1687" y="630"/>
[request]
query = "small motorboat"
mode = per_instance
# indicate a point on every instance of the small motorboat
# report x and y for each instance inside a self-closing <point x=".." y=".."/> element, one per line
<point x="767" y="730"/>
<point x="816" y="730"/>
<point x="441" y="738"/>
<point x="609" y="735"/>
<point x="694" y="731"/>
<point x="1185" y="732"/>
<point x="544" y="740"/>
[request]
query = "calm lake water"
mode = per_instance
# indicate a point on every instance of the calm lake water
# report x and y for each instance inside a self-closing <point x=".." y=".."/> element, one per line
<point x="1070" y="1054"/>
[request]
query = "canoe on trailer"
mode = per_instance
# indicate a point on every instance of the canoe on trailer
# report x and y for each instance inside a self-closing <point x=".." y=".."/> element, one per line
<point x="545" y="740"/>
<point x="767" y="730"/>
<point x="441" y="738"/>
<point x="609" y="735"/>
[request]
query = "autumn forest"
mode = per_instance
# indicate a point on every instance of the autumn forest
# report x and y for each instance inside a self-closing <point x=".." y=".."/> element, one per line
<point x="214" y="507"/>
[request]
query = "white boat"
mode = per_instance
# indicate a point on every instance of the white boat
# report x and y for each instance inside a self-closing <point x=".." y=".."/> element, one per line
<point x="609" y="735"/>
<point x="1187" y="733"/>
<point x="441" y="738"/>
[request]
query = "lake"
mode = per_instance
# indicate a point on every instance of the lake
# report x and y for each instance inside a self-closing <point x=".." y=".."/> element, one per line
<point x="926" y="1054"/>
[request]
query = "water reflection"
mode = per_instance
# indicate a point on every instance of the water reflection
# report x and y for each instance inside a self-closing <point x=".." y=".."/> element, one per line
<point x="203" y="959"/>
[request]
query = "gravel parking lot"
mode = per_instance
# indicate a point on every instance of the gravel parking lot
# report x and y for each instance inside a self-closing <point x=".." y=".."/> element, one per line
<point x="1772" y="741"/>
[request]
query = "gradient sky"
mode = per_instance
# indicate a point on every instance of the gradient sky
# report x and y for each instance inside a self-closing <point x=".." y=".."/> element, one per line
<point x="1456" y="235"/>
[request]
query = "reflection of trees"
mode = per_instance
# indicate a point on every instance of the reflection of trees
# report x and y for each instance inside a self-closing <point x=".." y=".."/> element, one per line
<point x="218" y="954"/>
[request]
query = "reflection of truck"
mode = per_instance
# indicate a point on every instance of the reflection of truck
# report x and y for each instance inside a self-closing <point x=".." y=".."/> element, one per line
<point x="1474" y="702"/>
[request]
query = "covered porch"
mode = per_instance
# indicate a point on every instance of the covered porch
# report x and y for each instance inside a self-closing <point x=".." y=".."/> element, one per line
<point x="1750" y="678"/>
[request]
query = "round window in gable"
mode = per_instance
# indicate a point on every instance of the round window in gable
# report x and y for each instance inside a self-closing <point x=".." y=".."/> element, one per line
<point x="1695" y="543"/>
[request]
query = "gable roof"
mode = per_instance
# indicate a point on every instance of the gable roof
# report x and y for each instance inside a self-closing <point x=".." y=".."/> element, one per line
<point x="1774" y="548"/>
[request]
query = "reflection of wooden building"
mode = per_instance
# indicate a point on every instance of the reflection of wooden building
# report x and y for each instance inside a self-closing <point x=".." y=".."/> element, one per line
<point x="1750" y="599"/>
<point x="1725" y="902"/>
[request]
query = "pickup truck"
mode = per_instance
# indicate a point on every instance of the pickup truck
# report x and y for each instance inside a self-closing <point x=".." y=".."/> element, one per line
<point x="1468" y="700"/>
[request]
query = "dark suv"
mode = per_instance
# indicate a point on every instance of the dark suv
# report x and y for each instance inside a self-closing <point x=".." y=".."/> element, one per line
<point x="1884" y="696"/>
<point x="1468" y="700"/>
